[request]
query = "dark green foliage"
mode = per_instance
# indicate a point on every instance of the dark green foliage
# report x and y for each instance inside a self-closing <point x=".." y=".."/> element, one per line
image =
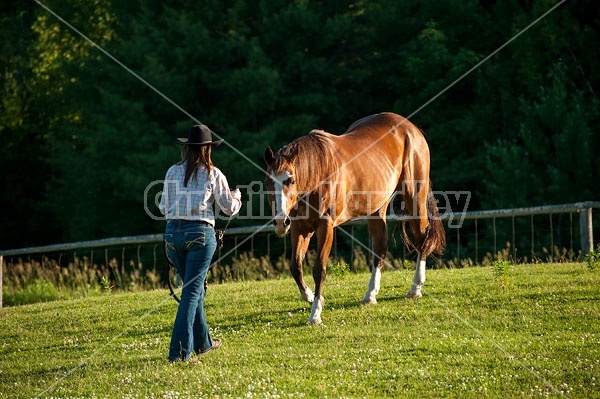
<point x="82" y="138"/>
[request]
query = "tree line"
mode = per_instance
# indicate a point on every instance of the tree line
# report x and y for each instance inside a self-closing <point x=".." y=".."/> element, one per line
<point x="82" y="137"/>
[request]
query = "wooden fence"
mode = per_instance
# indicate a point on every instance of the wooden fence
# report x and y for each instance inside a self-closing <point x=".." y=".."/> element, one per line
<point x="584" y="209"/>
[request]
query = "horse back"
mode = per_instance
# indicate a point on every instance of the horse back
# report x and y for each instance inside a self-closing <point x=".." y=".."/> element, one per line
<point x="382" y="119"/>
<point x="373" y="154"/>
<point x="384" y="124"/>
<point x="386" y="136"/>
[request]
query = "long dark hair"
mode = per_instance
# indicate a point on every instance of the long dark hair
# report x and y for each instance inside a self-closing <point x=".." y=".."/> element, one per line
<point x="193" y="156"/>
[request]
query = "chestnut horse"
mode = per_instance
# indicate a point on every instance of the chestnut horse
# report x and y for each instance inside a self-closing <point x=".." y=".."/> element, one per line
<point x="320" y="181"/>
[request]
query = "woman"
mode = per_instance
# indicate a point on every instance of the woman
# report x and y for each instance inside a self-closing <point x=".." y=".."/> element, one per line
<point x="191" y="187"/>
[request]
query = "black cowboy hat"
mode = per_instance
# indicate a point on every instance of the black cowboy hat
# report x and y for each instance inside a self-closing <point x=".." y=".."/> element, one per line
<point x="199" y="135"/>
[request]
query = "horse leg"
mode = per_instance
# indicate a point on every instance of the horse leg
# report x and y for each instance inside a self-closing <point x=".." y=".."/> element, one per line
<point x="378" y="230"/>
<point x="324" y="242"/>
<point x="300" y="243"/>
<point x="418" y="219"/>
<point x="418" y="279"/>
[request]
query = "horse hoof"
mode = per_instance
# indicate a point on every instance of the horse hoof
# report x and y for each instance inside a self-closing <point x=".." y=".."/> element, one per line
<point x="310" y="298"/>
<point x="369" y="301"/>
<point x="414" y="295"/>
<point x="307" y="295"/>
<point x="315" y="322"/>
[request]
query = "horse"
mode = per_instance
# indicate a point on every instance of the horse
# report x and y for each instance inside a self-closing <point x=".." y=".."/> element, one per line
<point x="321" y="180"/>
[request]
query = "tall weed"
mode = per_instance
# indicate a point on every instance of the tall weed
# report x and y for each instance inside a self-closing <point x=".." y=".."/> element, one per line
<point x="592" y="259"/>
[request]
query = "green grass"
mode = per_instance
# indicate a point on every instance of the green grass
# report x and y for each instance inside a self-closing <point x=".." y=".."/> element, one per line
<point x="534" y="334"/>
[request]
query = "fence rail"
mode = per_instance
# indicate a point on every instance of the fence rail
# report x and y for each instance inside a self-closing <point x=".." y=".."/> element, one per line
<point x="583" y="208"/>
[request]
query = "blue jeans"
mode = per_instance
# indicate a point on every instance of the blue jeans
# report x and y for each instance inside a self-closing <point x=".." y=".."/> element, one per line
<point x="189" y="247"/>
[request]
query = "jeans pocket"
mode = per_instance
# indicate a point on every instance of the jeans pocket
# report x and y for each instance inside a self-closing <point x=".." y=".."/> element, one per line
<point x="195" y="240"/>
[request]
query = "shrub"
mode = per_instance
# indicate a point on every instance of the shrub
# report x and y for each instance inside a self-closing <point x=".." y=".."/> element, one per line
<point x="37" y="291"/>
<point x="593" y="258"/>
<point x="338" y="269"/>
<point x="501" y="269"/>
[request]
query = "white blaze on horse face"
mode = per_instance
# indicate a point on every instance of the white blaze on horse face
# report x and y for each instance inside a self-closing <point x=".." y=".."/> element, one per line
<point x="281" y="201"/>
<point x="280" y="198"/>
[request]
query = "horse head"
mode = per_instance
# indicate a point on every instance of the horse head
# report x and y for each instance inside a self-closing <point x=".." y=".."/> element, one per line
<point x="281" y="188"/>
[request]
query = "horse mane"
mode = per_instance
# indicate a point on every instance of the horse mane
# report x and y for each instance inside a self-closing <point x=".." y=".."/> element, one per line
<point x="312" y="157"/>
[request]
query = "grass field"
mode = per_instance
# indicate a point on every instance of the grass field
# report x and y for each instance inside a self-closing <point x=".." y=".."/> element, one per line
<point x="525" y="331"/>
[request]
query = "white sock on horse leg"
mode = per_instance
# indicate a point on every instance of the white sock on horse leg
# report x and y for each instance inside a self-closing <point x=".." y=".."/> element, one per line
<point x="316" y="309"/>
<point x="418" y="279"/>
<point x="373" y="288"/>
<point x="307" y="295"/>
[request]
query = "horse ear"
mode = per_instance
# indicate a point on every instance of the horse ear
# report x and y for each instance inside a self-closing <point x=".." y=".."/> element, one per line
<point x="269" y="156"/>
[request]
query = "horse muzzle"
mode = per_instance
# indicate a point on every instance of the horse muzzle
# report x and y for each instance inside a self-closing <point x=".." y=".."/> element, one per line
<point x="282" y="225"/>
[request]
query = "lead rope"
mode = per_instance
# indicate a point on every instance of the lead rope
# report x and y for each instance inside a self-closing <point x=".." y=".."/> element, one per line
<point x="169" y="267"/>
<point x="220" y="233"/>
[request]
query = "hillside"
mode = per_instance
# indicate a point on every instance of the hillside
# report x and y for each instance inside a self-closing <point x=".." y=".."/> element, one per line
<point x="531" y="331"/>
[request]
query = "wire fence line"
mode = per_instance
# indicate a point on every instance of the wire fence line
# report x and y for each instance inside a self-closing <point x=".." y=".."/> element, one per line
<point x="580" y="239"/>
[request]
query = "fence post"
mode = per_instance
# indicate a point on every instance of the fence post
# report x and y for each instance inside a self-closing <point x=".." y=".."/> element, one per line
<point x="585" y="230"/>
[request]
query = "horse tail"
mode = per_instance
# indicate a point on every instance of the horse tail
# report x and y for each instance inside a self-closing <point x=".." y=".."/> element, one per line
<point x="430" y="238"/>
<point x="408" y="242"/>
<point x="434" y="241"/>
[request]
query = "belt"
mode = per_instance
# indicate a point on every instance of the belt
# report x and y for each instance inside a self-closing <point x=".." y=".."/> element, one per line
<point x="184" y="222"/>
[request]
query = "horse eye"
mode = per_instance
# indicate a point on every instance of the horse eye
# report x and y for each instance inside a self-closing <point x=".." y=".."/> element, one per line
<point x="289" y="181"/>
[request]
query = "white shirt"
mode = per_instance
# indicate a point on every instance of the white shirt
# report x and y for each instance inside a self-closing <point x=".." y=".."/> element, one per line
<point x="196" y="201"/>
